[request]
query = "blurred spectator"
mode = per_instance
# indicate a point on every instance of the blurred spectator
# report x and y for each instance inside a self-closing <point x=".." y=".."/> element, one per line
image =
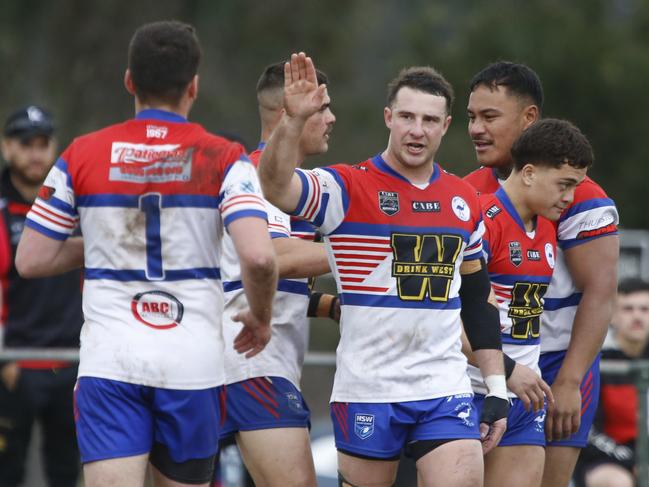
<point x="609" y="458"/>
<point x="36" y="313"/>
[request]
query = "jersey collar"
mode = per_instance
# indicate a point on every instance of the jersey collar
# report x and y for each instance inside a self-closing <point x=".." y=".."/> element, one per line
<point x="156" y="114"/>
<point x="382" y="166"/>
<point x="509" y="208"/>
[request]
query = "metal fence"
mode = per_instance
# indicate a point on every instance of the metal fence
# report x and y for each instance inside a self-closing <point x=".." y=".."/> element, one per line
<point x="638" y="370"/>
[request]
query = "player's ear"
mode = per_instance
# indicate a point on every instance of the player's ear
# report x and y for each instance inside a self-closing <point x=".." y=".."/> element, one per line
<point x="192" y="89"/>
<point x="128" y="82"/>
<point x="530" y="115"/>
<point x="528" y="174"/>
<point x="387" y="116"/>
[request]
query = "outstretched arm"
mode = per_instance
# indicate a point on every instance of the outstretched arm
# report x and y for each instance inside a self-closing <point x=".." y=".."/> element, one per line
<point x="298" y="258"/>
<point x="302" y="98"/>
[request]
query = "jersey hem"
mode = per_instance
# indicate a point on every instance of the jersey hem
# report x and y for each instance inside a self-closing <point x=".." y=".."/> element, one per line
<point x="184" y="386"/>
<point x="385" y="399"/>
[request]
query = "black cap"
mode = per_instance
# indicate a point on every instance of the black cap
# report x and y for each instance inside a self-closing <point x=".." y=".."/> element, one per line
<point x="29" y="122"/>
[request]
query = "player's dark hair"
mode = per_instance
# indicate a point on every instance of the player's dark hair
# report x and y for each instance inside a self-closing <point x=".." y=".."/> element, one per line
<point x="163" y="59"/>
<point x="553" y="143"/>
<point x="632" y="285"/>
<point x="421" y="78"/>
<point x="519" y="79"/>
<point x="273" y="77"/>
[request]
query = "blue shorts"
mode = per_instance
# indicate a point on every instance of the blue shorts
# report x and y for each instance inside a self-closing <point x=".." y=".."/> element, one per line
<point x="523" y="427"/>
<point x="382" y="430"/>
<point x="117" y="419"/>
<point x="262" y="403"/>
<point x="550" y="363"/>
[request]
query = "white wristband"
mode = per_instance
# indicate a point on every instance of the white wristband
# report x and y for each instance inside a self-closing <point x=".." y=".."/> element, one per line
<point x="497" y="386"/>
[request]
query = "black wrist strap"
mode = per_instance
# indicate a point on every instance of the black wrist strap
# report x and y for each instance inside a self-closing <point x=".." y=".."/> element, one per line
<point x="314" y="300"/>
<point x="332" y="308"/>
<point x="510" y="363"/>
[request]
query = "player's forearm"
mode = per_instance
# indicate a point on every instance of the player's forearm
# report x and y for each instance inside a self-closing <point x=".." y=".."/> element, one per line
<point x="40" y="256"/>
<point x="259" y="277"/>
<point x="299" y="259"/>
<point x="278" y="162"/>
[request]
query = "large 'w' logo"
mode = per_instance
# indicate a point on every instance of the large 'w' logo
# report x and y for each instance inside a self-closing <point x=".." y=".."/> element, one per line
<point x="424" y="265"/>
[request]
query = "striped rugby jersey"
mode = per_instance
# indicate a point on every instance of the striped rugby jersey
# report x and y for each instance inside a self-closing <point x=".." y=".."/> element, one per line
<point x="152" y="196"/>
<point x="395" y="251"/>
<point x="284" y="354"/>
<point x="591" y="215"/>
<point x="520" y="266"/>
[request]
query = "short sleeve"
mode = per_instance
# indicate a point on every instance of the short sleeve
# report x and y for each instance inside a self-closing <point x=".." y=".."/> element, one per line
<point x="240" y="194"/>
<point x="54" y="212"/>
<point x="324" y="198"/>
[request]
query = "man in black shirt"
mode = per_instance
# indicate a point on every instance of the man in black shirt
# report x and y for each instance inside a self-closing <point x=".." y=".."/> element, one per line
<point x="609" y="457"/>
<point x="36" y="313"/>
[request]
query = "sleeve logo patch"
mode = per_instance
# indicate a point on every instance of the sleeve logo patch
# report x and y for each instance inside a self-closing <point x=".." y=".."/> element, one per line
<point x="612" y="228"/>
<point x="46" y="192"/>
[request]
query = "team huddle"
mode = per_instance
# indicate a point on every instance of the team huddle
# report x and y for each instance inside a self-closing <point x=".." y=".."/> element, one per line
<point x="471" y="314"/>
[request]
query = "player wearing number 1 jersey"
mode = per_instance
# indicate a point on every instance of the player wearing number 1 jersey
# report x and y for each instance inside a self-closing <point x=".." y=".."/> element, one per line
<point x="550" y="159"/>
<point x="153" y="196"/>
<point x="399" y="232"/>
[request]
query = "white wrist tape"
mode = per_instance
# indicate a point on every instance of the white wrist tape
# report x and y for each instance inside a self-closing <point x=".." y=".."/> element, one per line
<point x="497" y="386"/>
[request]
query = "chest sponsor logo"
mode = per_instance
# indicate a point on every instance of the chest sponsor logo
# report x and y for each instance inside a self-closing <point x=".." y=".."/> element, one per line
<point x="463" y="412"/>
<point x="492" y="211"/>
<point x="533" y="255"/>
<point x="515" y="253"/>
<point x="157" y="309"/>
<point x="549" y="254"/>
<point x="460" y="208"/>
<point x="389" y="202"/>
<point x="426" y="206"/>
<point x="364" y="425"/>
<point x="156" y="131"/>
<point x="150" y="163"/>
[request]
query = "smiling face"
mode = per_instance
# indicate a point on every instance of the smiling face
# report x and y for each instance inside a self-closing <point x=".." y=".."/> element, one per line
<point x="496" y="119"/>
<point x="550" y="190"/>
<point x="417" y="123"/>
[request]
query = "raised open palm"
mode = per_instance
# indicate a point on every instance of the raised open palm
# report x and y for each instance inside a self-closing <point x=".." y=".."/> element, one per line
<point x="302" y="95"/>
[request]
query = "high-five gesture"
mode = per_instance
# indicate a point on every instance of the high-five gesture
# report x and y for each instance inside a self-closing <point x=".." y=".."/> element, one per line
<point x="302" y="95"/>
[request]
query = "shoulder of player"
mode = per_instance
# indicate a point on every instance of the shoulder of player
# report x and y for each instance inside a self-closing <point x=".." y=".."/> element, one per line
<point x="588" y="189"/>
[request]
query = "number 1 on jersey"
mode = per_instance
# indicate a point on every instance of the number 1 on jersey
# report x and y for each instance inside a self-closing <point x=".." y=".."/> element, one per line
<point x="150" y="205"/>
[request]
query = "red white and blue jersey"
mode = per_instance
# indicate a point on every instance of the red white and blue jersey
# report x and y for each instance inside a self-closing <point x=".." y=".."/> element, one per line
<point x="152" y="196"/>
<point x="284" y="354"/>
<point x="395" y="251"/>
<point x="520" y="266"/>
<point x="484" y="179"/>
<point x="591" y="215"/>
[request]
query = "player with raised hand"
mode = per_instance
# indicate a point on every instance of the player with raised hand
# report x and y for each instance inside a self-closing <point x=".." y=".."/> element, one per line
<point x="264" y="407"/>
<point x="550" y="158"/>
<point x="153" y="196"/>
<point x="505" y="99"/>
<point x="404" y="240"/>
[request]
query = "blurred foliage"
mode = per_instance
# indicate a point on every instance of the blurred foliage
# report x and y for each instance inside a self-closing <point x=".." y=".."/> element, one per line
<point x="70" y="55"/>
